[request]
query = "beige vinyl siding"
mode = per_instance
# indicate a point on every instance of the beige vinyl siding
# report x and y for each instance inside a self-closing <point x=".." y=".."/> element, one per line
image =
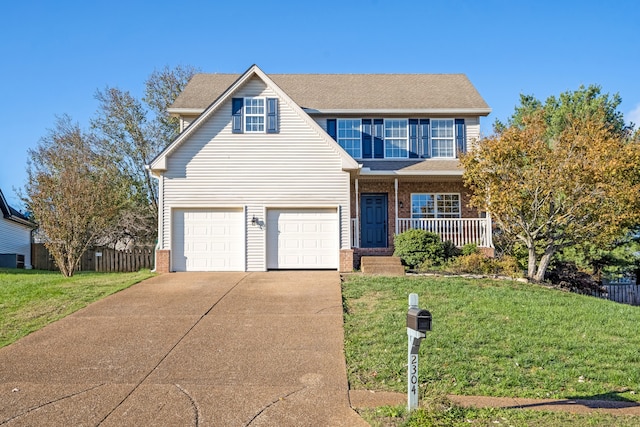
<point x="186" y="120"/>
<point x="473" y="130"/>
<point x="256" y="234"/>
<point x="16" y="239"/>
<point x="294" y="168"/>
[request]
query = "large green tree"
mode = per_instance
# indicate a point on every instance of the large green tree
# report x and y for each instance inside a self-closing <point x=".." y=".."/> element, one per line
<point x="558" y="174"/>
<point x="134" y="131"/>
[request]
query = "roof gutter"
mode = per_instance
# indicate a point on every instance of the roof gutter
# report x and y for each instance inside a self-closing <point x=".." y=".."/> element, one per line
<point x="175" y="112"/>
<point x="369" y="172"/>
<point x="395" y="111"/>
<point x="367" y="111"/>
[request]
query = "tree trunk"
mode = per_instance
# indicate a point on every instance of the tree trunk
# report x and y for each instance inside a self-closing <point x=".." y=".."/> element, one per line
<point x="531" y="271"/>
<point x="544" y="263"/>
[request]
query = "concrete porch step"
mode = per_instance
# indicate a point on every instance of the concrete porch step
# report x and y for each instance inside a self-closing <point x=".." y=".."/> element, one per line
<point x="382" y="265"/>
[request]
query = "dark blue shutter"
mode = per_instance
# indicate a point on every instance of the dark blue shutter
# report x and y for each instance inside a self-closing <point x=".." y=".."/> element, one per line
<point x="237" y="105"/>
<point x="378" y="138"/>
<point x="331" y="128"/>
<point x="461" y="137"/>
<point x="367" y="139"/>
<point x="272" y="115"/>
<point x="424" y="138"/>
<point x="414" y="151"/>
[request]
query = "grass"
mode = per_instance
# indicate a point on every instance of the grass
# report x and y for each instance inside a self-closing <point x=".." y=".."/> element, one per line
<point x="31" y="299"/>
<point x="493" y="338"/>
<point x="444" y="414"/>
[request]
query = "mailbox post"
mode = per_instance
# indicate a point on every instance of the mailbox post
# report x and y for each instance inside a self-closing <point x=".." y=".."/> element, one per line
<point x="418" y="323"/>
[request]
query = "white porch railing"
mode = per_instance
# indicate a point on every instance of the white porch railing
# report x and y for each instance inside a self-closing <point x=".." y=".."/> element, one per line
<point x="460" y="231"/>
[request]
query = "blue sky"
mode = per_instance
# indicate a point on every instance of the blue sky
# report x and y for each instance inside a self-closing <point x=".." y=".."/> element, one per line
<point x="55" y="55"/>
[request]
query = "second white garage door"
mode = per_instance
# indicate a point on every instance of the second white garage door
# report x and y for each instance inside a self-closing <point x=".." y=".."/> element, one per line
<point x="208" y="240"/>
<point x="302" y="239"/>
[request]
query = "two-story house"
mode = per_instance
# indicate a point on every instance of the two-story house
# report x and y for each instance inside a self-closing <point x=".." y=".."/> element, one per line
<point x="313" y="171"/>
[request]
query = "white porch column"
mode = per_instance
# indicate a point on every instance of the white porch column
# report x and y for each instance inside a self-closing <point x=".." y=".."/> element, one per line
<point x="356" y="238"/>
<point x="395" y="184"/>
<point x="489" y="226"/>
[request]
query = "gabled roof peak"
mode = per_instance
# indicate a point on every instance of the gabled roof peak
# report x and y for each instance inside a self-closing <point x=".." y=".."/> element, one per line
<point x="159" y="163"/>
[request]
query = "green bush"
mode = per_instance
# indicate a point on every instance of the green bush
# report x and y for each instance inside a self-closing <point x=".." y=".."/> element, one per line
<point x="470" y="248"/>
<point x="450" y="250"/>
<point x="478" y="263"/>
<point x="415" y="246"/>
<point x="509" y="266"/>
<point x="473" y="263"/>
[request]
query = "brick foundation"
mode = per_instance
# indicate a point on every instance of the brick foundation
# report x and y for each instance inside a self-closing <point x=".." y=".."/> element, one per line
<point x="488" y="252"/>
<point x="346" y="260"/>
<point x="162" y="261"/>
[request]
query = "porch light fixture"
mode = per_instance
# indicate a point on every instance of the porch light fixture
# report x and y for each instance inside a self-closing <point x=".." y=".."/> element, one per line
<point x="401" y="205"/>
<point x="254" y="220"/>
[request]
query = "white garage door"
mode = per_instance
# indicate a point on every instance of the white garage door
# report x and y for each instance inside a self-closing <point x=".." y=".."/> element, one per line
<point x="208" y="240"/>
<point x="302" y="238"/>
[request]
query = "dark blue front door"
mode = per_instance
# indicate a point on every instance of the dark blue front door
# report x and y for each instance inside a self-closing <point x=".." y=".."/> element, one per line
<point x="373" y="229"/>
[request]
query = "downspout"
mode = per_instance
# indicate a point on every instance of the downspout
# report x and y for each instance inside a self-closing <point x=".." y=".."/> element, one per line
<point x="159" y="243"/>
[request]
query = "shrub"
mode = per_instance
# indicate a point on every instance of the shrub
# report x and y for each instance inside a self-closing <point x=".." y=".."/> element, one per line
<point x="567" y="275"/>
<point x="509" y="266"/>
<point x="478" y="263"/>
<point x="474" y="263"/>
<point x="470" y="248"/>
<point x="450" y="250"/>
<point x="415" y="246"/>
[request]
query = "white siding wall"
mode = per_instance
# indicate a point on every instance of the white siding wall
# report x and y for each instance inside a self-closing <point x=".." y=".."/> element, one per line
<point x="294" y="168"/>
<point x="15" y="239"/>
<point x="473" y="130"/>
<point x="185" y="121"/>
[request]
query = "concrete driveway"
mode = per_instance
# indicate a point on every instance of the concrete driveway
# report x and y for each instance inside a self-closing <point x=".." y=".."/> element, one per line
<point x="188" y="349"/>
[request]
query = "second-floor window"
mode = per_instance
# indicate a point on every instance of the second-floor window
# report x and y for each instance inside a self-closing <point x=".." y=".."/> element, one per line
<point x="399" y="138"/>
<point x="349" y="137"/>
<point x="442" y="138"/>
<point x="396" y="138"/>
<point x="254" y="113"/>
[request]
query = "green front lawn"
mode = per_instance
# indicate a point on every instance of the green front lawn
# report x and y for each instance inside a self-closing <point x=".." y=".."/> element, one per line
<point x="31" y="299"/>
<point x="493" y="338"/>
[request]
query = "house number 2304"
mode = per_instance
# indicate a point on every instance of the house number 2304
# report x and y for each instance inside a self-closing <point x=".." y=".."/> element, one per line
<point x="413" y="369"/>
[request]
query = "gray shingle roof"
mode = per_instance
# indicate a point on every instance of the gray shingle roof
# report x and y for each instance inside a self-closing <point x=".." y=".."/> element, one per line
<point x="419" y="165"/>
<point x="12" y="214"/>
<point x="350" y="91"/>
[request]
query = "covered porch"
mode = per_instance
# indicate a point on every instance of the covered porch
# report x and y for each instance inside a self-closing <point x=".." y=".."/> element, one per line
<point x="383" y="207"/>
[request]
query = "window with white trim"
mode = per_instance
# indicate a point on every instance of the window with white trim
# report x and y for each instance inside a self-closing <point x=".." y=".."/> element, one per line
<point x="350" y="137"/>
<point x="442" y="138"/>
<point x="254" y="114"/>
<point x="396" y="138"/>
<point x="429" y="205"/>
<point x="378" y="138"/>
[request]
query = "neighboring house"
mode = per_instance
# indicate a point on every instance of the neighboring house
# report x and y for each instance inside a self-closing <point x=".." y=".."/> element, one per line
<point x="305" y="171"/>
<point x="15" y="237"/>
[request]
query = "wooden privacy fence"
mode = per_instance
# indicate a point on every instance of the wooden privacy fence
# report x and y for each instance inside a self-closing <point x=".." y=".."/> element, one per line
<point x="104" y="260"/>
<point x="624" y="293"/>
